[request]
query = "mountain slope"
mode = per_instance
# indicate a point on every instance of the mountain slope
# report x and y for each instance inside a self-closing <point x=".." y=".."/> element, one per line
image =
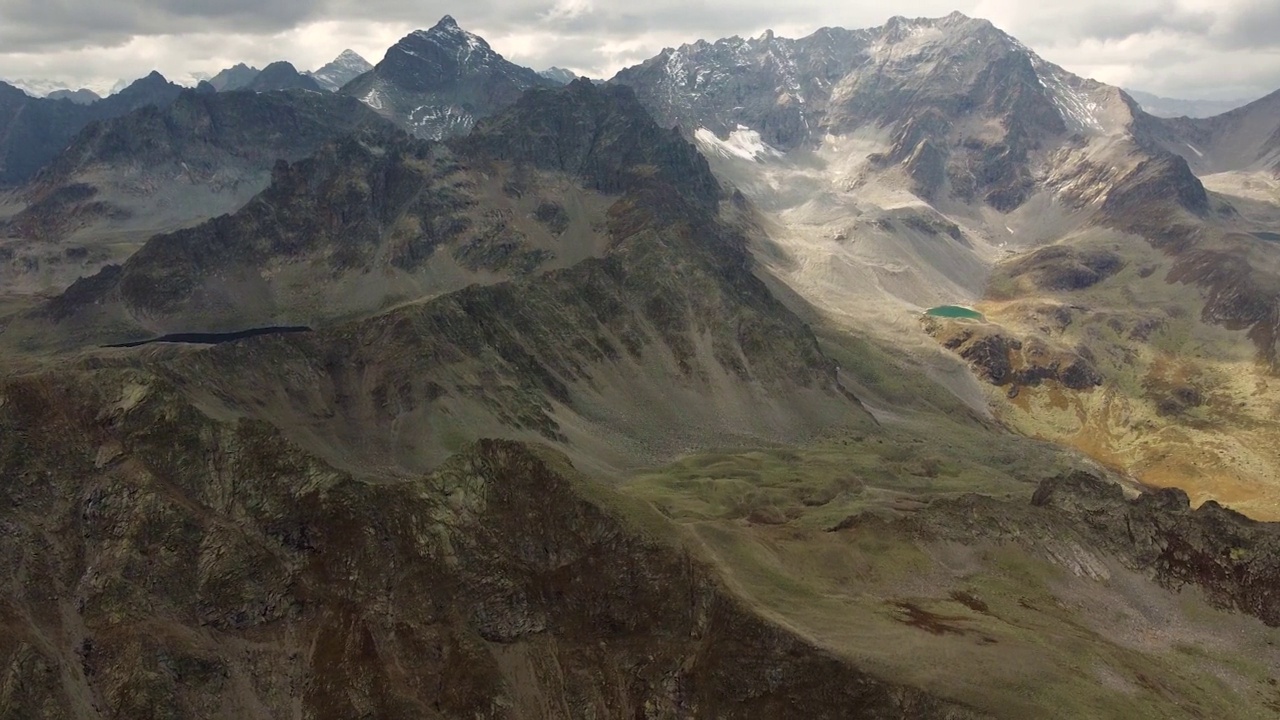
<point x="505" y="584"/>
<point x="341" y="70"/>
<point x="622" y="283"/>
<point x="437" y="83"/>
<point x="158" y="169"/>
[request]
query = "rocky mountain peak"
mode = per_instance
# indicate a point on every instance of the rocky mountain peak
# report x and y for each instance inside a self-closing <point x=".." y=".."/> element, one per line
<point x="559" y="75"/>
<point x="437" y="82"/>
<point x="234" y="78"/>
<point x="282" y="75"/>
<point x="341" y="70"/>
<point x="448" y="34"/>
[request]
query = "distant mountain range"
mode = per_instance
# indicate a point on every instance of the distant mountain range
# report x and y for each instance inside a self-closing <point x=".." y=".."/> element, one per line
<point x="1172" y="108"/>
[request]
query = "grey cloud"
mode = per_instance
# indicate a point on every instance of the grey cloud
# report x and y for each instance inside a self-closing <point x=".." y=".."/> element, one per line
<point x="1174" y="46"/>
<point x="1251" y="25"/>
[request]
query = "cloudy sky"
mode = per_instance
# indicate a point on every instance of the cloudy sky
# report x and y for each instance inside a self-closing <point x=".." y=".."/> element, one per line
<point x="1200" y="49"/>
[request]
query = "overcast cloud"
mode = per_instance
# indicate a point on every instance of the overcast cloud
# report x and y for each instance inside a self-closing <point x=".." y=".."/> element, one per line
<point x="1211" y="49"/>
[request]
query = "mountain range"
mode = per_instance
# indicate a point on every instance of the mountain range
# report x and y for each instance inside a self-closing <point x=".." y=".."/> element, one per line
<point x="890" y="372"/>
<point x="1172" y="107"/>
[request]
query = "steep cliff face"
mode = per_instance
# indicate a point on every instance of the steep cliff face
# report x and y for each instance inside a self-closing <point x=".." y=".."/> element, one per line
<point x="163" y="564"/>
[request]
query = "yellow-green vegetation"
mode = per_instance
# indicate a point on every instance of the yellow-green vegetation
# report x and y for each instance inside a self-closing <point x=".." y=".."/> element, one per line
<point x="817" y="486"/>
<point x="1011" y="625"/>
<point x="1185" y="403"/>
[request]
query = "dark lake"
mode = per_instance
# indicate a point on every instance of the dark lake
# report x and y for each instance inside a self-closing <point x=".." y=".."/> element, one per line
<point x="213" y="338"/>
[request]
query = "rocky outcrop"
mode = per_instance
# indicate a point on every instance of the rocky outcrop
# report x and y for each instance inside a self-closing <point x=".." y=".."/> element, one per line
<point x="1078" y="519"/>
<point x="1234" y="560"/>
<point x="1004" y="360"/>
<point x="1239" y="295"/>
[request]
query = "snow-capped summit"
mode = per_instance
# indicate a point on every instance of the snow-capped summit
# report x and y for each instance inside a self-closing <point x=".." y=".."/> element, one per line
<point x="348" y="66"/>
<point x="559" y="75"/>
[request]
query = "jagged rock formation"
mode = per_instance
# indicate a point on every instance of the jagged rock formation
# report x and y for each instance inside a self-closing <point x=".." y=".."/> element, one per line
<point x="437" y="83"/>
<point x="34" y="130"/>
<point x="348" y="66"/>
<point x="1235" y="560"/>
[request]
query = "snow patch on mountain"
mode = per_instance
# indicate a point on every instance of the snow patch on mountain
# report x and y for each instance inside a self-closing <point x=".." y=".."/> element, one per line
<point x="742" y="143"/>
